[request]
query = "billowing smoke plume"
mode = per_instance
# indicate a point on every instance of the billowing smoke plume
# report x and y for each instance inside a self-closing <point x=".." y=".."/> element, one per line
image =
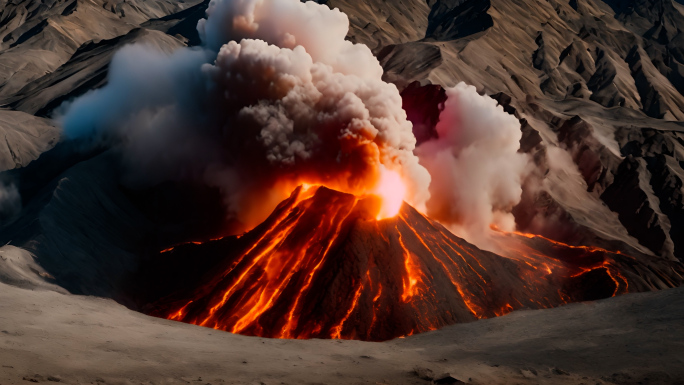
<point x="477" y="171"/>
<point x="275" y="97"/>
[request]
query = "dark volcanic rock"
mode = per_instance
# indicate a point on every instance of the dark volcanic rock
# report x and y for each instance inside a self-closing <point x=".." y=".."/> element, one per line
<point x="447" y="380"/>
<point x="182" y="24"/>
<point x="630" y="196"/>
<point x="666" y="180"/>
<point x="454" y="19"/>
<point x="423" y="104"/>
<point x="322" y="266"/>
<point x="408" y="62"/>
<point x="90" y="232"/>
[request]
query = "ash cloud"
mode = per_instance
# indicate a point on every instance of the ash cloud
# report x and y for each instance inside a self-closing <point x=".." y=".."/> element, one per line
<point x="275" y="96"/>
<point x="476" y="167"/>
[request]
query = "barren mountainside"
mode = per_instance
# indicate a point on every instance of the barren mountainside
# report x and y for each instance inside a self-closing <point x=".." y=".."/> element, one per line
<point x="600" y="80"/>
<point x="597" y="86"/>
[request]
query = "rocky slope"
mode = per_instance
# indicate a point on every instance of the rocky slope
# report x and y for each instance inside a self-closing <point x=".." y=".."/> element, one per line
<point x="597" y="87"/>
<point x="25" y="138"/>
<point x="601" y="81"/>
<point x="38" y="36"/>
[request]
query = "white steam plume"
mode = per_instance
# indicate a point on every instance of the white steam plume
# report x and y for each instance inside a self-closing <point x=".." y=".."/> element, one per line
<point x="287" y="24"/>
<point x="275" y="96"/>
<point x="477" y="171"/>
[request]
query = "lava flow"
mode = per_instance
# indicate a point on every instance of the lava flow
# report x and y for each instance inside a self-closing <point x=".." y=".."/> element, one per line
<point x="323" y="266"/>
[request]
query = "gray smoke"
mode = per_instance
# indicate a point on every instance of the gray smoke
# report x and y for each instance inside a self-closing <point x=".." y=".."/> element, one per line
<point x="275" y="97"/>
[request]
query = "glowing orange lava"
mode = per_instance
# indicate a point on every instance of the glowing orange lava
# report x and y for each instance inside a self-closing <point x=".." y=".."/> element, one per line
<point x="392" y="190"/>
<point x="389" y="187"/>
<point x="323" y="266"/>
<point x="585" y="259"/>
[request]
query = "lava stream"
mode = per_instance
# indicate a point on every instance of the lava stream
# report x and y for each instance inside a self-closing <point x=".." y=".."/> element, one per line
<point x="323" y="266"/>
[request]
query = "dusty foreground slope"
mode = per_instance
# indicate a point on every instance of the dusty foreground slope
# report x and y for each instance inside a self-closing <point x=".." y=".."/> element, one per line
<point x="633" y="339"/>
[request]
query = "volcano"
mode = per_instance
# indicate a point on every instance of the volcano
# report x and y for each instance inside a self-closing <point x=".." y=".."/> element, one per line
<point x="322" y="266"/>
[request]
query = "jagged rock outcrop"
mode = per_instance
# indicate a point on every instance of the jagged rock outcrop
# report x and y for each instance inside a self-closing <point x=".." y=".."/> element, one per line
<point x="23" y="138"/>
<point x="632" y="197"/>
<point x="39" y="36"/>
<point x="576" y="73"/>
<point x="454" y="19"/>
<point x="85" y="70"/>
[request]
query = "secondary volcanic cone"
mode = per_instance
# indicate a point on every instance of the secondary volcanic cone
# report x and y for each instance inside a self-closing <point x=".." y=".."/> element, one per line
<point x="322" y="266"/>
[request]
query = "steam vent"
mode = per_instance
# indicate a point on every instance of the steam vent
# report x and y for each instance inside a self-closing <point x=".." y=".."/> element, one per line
<point x="322" y="266"/>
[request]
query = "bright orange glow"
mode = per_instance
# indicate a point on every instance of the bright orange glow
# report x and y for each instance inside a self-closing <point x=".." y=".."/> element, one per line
<point x="180" y="313"/>
<point x="392" y="190"/>
<point x="504" y="310"/>
<point x="306" y="187"/>
<point x="322" y="266"/>
<point x="385" y="184"/>
<point x="291" y="320"/>
<point x="517" y="248"/>
<point x="337" y="330"/>
<point x="412" y="273"/>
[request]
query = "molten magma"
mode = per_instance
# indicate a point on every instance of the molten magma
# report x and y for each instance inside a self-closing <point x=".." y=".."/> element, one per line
<point x="323" y="266"/>
<point x="385" y="184"/>
<point x="392" y="191"/>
